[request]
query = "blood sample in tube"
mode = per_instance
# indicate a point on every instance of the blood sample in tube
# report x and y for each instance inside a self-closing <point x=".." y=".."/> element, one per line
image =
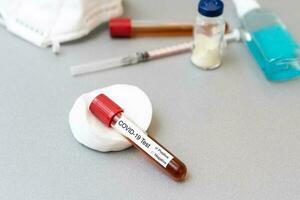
<point x="112" y="115"/>
<point x="125" y="27"/>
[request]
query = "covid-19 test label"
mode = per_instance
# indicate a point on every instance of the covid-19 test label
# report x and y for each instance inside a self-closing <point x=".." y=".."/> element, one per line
<point x="112" y="116"/>
<point x="131" y="131"/>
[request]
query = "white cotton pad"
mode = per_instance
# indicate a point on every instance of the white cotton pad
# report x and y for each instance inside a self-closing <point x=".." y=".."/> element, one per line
<point x="89" y="131"/>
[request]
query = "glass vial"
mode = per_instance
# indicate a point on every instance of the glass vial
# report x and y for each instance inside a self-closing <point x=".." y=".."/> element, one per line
<point x="209" y="33"/>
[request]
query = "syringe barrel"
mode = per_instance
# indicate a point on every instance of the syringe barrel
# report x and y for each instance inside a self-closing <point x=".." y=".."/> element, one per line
<point x="171" y="50"/>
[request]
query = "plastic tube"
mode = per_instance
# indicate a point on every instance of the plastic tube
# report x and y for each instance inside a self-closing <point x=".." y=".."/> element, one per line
<point x="109" y="113"/>
<point x="125" y="27"/>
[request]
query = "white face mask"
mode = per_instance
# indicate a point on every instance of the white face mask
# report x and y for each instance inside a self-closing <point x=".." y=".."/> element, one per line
<point x="51" y="22"/>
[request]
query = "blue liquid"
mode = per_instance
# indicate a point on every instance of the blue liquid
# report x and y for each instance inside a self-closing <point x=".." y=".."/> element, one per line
<point x="272" y="45"/>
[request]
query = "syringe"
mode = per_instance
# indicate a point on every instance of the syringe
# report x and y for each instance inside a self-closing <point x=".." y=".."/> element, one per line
<point x="138" y="57"/>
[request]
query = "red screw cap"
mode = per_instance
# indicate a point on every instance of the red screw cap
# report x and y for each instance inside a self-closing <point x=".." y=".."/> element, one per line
<point x="120" y="27"/>
<point x="104" y="109"/>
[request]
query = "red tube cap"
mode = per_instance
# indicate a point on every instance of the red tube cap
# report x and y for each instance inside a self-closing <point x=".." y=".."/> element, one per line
<point x="104" y="109"/>
<point x="120" y="27"/>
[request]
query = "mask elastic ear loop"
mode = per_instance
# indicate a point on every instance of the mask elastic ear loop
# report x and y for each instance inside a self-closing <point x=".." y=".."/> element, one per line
<point x="2" y="22"/>
<point x="55" y="47"/>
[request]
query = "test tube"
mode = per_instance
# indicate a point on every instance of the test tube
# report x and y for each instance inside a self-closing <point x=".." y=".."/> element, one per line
<point x="125" y="27"/>
<point x="109" y="113"/>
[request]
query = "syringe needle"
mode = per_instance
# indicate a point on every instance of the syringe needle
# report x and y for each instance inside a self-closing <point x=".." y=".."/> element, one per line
<point x="104" y="65"/>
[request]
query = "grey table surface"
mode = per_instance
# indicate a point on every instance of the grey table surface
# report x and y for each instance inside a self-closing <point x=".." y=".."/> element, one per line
<point x="237" y="133"/>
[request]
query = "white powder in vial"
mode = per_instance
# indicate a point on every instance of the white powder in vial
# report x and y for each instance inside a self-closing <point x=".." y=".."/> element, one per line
<point x="206" y="52"/>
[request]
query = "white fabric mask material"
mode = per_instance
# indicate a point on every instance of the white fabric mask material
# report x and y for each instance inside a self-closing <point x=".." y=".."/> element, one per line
<point x="51" y="22"/>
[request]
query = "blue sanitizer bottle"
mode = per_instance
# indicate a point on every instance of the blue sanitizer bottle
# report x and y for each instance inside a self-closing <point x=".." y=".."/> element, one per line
<point x="269" y="41"/>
